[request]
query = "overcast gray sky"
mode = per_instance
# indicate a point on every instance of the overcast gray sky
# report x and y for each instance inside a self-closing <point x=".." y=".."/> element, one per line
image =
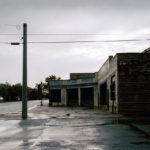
<point x="120" y="19"/>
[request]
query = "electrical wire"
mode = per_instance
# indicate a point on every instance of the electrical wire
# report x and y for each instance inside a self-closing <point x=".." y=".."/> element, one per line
<point x="66" y="34"/>
<point x="94" y="41"/>
<point x="57" y="42"/>
<point x="5" y="43"/>
<point x="18" y="27"/>
<point x="11" y="34"/>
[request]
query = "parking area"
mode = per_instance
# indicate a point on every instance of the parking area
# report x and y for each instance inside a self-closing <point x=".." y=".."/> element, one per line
<point x="71" y="128"/>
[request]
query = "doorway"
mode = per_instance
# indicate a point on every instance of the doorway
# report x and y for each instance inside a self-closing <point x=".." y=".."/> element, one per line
<point x="55" y="95"/>
<point x="87" y="97"/>
<point x="72" y="97"/>
<point x="103" y="94"/>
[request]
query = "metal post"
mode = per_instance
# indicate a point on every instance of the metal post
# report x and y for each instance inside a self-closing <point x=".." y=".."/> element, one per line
<point x="24" y="82"/>
<point x="41" y="93"/>
<point x="49" y="95"/>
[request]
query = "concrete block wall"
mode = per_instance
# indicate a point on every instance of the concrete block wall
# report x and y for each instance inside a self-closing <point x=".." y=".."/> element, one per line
<point x="108" y="69"/>
<point x="134" y="83"/>
<point x="113" y="72"/>
<point x="74" y="76"/>
<point x="132" y="79"/>
<point x="96" y="96"/>
<point x="64" y="97"/>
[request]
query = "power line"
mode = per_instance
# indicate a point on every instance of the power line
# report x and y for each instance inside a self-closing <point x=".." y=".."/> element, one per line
<point x="94" y="41"/>
<point x="11" y="34"/>
<point x="18" y="27"/>
<point x="55" y="42"/>
<point x="66" y="34"/>
<point x="5" y="43"/>
<point x="83" y="34"/>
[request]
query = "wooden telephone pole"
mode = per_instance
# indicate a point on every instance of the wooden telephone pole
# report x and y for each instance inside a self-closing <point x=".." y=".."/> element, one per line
<point x="24" y="81"/>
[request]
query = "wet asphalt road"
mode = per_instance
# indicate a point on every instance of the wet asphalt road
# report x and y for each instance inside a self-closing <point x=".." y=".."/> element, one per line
<point x="14" y="107"/>
<point x="71" y="129"/>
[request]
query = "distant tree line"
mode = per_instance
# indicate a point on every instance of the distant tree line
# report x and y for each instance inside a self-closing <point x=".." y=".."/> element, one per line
<point x="14" y="92"/>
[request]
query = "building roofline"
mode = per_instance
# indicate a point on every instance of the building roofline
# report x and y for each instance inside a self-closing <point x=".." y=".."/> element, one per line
<point x="108" y="59"/>
<point x="81" y="72"/>
<point x="71" y="79"/>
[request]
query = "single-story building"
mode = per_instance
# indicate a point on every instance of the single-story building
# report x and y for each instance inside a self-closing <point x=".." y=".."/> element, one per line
<point x="122" y="85"/>
<point x="80" y="90"/>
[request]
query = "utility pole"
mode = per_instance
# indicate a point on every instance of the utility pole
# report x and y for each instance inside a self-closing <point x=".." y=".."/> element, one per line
<point x="24" y="81"/>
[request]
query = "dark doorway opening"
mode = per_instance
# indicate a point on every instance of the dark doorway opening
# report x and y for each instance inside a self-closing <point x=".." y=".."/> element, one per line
<point x="72" y="97"/>
<point x="104" y="94"/>
<point x="87" y="97"/>
<point x="55" y="95"/>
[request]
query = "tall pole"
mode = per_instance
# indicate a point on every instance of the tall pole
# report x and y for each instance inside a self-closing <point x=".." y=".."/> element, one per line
<point x="24" y="81"/>
<point x="41" y="94"/>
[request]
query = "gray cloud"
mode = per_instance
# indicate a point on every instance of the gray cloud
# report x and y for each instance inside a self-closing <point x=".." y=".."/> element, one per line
<point x="69" y="16"/>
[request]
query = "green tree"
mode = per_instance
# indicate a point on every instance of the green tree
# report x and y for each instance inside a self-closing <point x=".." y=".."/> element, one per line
<point x="46" y="84"/>
<point x="14" y="92"/>
<point x="5" y="91"/>
<point x="17" y="91"/>
<point x="52" y="77"/>
<point x="49" y="78"/>
<point x="32" y="93"/>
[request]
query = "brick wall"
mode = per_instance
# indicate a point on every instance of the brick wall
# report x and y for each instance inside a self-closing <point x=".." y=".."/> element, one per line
<point x="134" y="83"/>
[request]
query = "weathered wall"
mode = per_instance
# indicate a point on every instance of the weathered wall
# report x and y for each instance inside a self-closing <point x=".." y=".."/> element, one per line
<point x="81" y="75"/>
<point x="113" y="72"/>
<point x="134" y="83"/>
<point x="103" y="72"/>
<point x="102" y="77"/>
<point x="108" y="69"/>
<point x="96" y="96"/>
<point x="63" y="85"/>
<point x="64" y="97"/>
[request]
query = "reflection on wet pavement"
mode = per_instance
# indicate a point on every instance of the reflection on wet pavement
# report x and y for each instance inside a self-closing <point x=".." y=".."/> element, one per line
<point x="73" y="129"/>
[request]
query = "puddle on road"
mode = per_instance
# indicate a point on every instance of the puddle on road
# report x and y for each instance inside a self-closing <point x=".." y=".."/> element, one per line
<point x="101" y="122"/>
<point x="10" y="145"/>
<point x="132" y="124"/>
<point x="139" y="143"/>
